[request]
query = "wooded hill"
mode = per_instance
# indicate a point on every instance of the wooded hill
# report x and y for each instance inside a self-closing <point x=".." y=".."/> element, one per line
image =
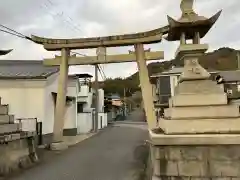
<point x="221" y="59"/>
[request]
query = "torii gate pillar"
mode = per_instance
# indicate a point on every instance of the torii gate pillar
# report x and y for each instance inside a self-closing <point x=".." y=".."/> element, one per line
<point x="60" y="109"/>
<point x="146" y="87"/>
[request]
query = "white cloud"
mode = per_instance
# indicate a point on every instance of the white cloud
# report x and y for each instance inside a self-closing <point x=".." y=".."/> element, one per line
<point x="87" y="18"/>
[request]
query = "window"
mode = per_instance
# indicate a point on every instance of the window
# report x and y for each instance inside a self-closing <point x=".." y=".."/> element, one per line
<point x="79" y="108"/>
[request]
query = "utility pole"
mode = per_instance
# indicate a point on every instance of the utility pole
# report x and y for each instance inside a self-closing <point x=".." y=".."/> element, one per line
<point x="238" y="60"/>
<point x="101" y="56"/>
<point x="96" y="98"/>
<point x="125" y="103"/>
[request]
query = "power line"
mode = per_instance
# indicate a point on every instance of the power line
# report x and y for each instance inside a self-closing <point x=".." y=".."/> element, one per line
<point x="54" y="15"/>
<point x="20" y="35"/>
<point x="14" y="32"/>
<point x="50" y="2"/>
<point x="100" y="69"/>
<point x="5" y="31"/>
<point x="76" y="26"/>
<point x="100" y="72"/>
<point x="61" y="15"/>
<point x="104" y="75"/>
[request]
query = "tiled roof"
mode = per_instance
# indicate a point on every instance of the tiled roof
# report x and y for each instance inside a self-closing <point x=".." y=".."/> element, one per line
<point x="25" y="69"/>
<point x="175" y="70"/>
<point x="84" y="75"/>
<point x="230" y="76"/>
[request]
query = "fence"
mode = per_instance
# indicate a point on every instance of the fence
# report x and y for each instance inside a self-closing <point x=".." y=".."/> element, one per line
<point x="27" y="124"/>
<point x="31" y="125"/>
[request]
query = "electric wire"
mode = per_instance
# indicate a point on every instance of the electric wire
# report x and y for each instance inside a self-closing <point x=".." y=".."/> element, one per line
<point x="20" y="35"/>
<point x="71" y="24"/>
<point x="100" y="69"/>
<point x="13" y="32"/>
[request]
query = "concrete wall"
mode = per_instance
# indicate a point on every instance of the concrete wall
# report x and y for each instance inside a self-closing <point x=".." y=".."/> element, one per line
<point x="71" y="116"/>
<point x="85" y="119"/>
<point x="84" y="123"/>
<point x="102" y="120"/>
<point x="83" y="94"/>
<point x="33" y="99"/>
<point x="14" y="156"/>
<point x="101" y="100"/>
<point x="49" y="107"/>
<point x="197" y="162"/>
<point x="88" y="105"/>
<point x="24" y="97"/>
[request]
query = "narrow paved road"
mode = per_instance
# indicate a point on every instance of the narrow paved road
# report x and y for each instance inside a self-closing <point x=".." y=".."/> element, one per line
<point x="136" y="116"/>
<point x="106" y="156"/>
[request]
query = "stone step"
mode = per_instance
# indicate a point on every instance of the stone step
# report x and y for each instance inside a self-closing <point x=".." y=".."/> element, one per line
<point x="186" y="100"/>
<point x="199" y="87"/>
<point x="6" y="119"/>
<point x="200" y="126"/>
<point x="16" y="136"/>
<point x="3" y="109"/>
<point x="10" y="137"/>
<point x="9" y="128"/>
<point x="202" y="112"/>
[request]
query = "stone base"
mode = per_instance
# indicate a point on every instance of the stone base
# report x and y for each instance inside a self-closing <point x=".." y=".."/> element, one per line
<point x="197" y="162"/>
<point x="14" y="156"/>
<point x="181" y="100"/>
<point x="58" y="146"/>
<point x="208" y="156"/>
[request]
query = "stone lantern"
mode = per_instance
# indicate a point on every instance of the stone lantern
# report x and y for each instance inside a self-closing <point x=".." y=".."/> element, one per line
<point x="199" y="135"/>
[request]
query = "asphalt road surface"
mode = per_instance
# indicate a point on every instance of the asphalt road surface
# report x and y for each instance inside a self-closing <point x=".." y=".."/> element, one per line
<point x="108" y="155"/>
<point x="137" y="116"/>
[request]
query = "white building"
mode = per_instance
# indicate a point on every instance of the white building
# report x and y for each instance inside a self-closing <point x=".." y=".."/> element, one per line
<point x="30" y="89"/>
<point x="86" y="106"/>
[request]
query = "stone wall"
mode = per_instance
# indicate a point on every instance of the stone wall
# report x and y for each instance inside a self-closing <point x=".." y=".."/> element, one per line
<point x="196" y="162"/>
<point x="16" y="155"/>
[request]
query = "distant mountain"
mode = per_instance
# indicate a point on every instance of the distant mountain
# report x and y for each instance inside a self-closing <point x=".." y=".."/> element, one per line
<point x="221" y="59"/>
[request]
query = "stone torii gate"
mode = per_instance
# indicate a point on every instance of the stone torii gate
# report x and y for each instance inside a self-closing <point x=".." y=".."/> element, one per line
<point x="101" y="43"/>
